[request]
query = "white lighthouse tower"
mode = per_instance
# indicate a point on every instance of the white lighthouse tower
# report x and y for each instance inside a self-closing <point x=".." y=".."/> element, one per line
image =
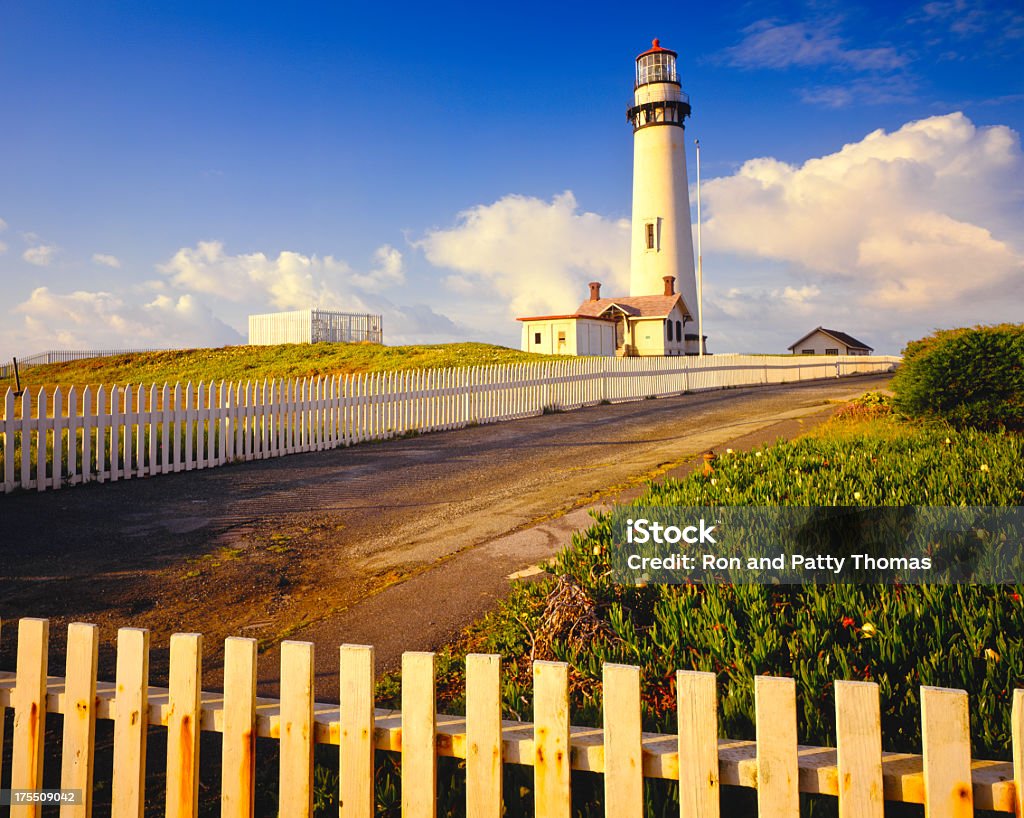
<point x="662" y="241"/>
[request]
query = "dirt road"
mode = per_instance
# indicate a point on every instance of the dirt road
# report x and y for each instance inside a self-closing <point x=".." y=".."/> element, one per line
<point x="303" y="546"/>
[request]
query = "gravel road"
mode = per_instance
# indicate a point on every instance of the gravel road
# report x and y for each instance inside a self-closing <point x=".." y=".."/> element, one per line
<point x="398" y="544"/>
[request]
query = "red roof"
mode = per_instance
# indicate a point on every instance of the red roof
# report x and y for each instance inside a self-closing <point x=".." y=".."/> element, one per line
<point x="636" y="306"/>
<point x="656" y="48"/>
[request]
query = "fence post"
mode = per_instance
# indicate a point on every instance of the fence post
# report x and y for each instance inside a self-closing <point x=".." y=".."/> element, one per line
<point x="182" y="797"/>
<point x="859" y="750"/>
<point x="356" y="740"/>
<point x="697" y="709"/>
<point x="483" y="736"/>
<point x="238" y="748"/>
<point x="29" y="712"/>
<point x="778" y="787"/>
<point x="131" y="723"/>
<point x="623" y="759"/>
<point x="419" y="730"/>
<point x="296" y="767"/>
<point x="551" y="763"/>
<point x="79" y="739"/>
<point x="946" y="748"/>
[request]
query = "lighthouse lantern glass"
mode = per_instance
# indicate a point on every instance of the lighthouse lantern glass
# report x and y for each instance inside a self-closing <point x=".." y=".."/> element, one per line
<point x="657" y="67"/>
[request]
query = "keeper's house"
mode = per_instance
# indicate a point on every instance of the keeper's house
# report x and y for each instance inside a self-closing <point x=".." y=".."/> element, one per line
<point x="313" y="326"/>
<point x="823" y="341"/>
<point x="624" y="326"/>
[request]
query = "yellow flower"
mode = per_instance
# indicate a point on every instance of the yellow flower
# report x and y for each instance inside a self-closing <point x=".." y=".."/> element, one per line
<point x="856" y="495"/>
<point x="868" y="629"/>
<point x="992" y="655"/>
<point x="984" y="467"/>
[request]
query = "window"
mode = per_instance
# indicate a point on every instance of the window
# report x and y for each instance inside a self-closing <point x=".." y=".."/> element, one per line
<point x="650" y="235"/>
<point x="831" y="351"/>
<point x="561" y="337"/>
<point x="806" y="351"/>
<point x="668" y="326"/>
<point x="679" y="330"/>
<point x="536" y="337"/>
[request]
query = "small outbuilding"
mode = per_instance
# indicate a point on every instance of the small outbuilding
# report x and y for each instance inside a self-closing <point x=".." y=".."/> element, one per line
<point x="823" y="341"/>
<point x="314" y="326"/>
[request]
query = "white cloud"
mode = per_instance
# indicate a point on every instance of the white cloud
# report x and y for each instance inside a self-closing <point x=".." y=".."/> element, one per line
<point x="768" y="44"/>
<point x="256" y="282"/>
<point x="107" y="260"/>
<point x="84" y="319"/>
<point x="535" y="256"/>
<point x="41" y="255"/>
<point x="290" y="281"/>
<point x="388" y="271"/>
<point x="922" y="217"/>
<point x="3" y="248"/>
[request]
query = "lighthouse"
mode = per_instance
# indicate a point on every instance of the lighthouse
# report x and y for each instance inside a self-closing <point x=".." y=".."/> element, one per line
<point x="659" y="316"/>
<point x="662" y="240"/>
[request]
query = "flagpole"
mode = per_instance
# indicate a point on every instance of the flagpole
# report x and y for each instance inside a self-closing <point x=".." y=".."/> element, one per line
<point x="700" y="267"/>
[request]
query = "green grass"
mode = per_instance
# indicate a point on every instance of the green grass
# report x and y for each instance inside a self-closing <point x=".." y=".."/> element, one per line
<point x="259" y="362"/>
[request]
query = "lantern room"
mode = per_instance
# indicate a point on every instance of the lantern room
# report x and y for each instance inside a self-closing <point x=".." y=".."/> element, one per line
<point x="656" y="65"/>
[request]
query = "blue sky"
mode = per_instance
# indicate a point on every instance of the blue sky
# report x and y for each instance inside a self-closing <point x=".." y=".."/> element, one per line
<point x="163" y="173"/>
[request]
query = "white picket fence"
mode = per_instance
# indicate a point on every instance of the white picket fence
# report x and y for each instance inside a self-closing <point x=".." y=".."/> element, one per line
<point x="119" y="433"/>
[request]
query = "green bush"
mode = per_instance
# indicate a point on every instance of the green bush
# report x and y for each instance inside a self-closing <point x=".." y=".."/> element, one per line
<point x="970" y="377"/>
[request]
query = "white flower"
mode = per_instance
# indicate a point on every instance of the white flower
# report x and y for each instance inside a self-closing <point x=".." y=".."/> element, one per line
<point x="714" y="482"/>
<point x="728" y="451"/>
<point x="757" y="454"/>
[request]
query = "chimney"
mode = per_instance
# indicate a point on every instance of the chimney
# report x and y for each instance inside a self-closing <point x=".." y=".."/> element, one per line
<point x="595" y="290"/>
<point x="669" y="284"/>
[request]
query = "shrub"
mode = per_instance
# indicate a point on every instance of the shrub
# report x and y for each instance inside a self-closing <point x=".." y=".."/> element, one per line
<point x="970" y="377"/>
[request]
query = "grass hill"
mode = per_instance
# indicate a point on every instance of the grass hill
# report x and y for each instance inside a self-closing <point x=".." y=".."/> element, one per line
<point x="259" y="362"/>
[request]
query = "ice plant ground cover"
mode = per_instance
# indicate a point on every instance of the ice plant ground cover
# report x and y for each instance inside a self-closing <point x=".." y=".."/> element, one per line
<point x="902" y="637"/>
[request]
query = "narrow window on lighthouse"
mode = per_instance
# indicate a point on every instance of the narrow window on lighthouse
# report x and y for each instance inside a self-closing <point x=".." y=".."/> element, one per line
<point x="650" y="235"/>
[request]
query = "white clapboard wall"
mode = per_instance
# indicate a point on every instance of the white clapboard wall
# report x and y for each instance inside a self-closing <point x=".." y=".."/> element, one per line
<point x="109" y="433"/>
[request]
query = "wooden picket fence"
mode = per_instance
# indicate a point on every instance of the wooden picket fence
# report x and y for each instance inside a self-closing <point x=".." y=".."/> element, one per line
<point x="943" y="777"/>
<point x="118" y="433"/>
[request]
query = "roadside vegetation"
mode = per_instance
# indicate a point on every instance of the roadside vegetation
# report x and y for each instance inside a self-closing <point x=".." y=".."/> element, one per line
<point x="901" y="637"/>
<point x="241" y="363"/>
<point x="949" y="438"/>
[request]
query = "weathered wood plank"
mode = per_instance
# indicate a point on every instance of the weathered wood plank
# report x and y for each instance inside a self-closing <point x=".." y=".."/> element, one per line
<point x="483" y="736"/>
<point x="79" y="740"/>
<point x="551" y="739"/>
<point x="623" y="762"/>
<point x="946" y="743"/>
<point x="356" y="732"/>
<point x="238" y="750"/>
<point x="131" y="723"/>
<point x="777" y="765"/>
<point x="697" y="706"/>
<point x="183" y="726"/>
<point x="30" y="708"/>
<point x="1017" y="738"/>
<point x="419" y="727"/>
<point x="859" y="750"/>
<point x="296" y="768"/>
